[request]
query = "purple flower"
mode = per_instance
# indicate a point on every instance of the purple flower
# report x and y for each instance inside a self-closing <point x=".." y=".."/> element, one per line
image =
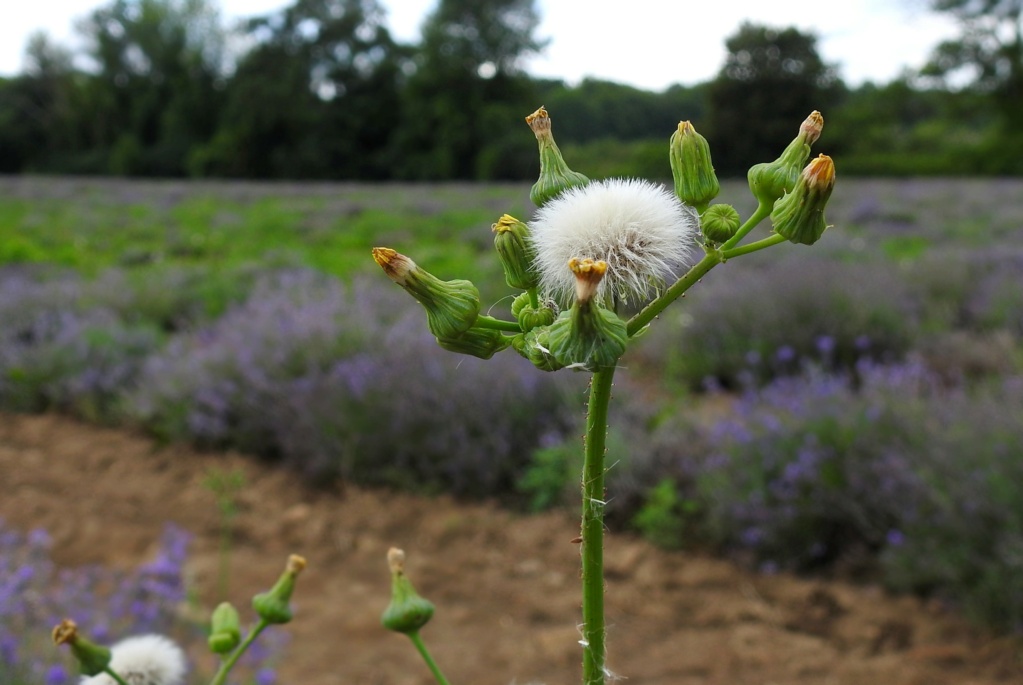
<point x="895" y="538"/>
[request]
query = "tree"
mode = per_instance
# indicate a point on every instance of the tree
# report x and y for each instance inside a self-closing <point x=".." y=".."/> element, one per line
<point x="316" y="97"/>
<point x="37" y="107"/>
<point x="988" y="54"/>
<point x="467" y="87"/>
<point x="990" y="50"/>
<point x="771" y="80"/>
<point x="155" y="92"/>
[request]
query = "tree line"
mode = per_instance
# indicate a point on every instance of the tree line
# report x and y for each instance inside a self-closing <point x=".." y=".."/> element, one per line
<point x="321" y="90"/>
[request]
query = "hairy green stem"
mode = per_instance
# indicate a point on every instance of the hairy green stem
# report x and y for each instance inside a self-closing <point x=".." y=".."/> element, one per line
<point x="753" y="247"/>
<point x="593" y="527"/>
<point x="425" y="653"/>
<point x="227" y="664"/>
<point x="763" y="211"/>
<point x="497" y="324"/>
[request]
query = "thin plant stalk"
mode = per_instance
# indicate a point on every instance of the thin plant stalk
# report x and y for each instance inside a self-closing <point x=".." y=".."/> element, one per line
<point x="425" y="653"/>
<point x="113" y="674"/>
<point x="650" y="312"/>
<point x="593" y="527"/>
<point x="227" y="664"/>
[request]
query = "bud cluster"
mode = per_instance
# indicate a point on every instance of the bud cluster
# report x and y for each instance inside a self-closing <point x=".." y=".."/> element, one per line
<point x="592" y="247"/>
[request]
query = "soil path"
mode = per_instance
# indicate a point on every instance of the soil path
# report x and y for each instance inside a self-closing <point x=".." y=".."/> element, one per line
<point x="505" y="585"/>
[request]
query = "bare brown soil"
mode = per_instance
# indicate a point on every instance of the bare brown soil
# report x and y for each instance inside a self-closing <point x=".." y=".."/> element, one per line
<point x="505" y="585"/>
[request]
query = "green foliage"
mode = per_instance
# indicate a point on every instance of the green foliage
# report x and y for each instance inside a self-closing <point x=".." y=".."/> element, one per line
<point x="99" y="232"/>
<point x="552" y="476"/>
<point x="663" y="517"/>
<point x="225" y="486"/>
<point x="598" y="110"/>
<point x="613" y="158"/>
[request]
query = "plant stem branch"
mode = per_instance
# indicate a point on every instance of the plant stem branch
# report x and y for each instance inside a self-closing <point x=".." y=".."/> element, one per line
<point x="425" y="653"/>
<point x="593" y="527"/>
<point x="227" y="664"/>
<point x="650" y="312"/>
<point x="497" y="324"/>
<point x="753" y="247"/>
<point x="110" y="672"/>
<point x="763" y="211"/>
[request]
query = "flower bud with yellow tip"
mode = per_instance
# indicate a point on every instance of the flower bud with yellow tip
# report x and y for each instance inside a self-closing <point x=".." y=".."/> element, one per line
<point x="770" y="180"/>
<point x="555" y="176"/>
<point x="799" y="216"/>
<point x="451" y="306"/>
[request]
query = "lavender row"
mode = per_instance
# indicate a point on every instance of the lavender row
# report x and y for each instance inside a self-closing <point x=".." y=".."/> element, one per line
<point x="963" y="310"/>
<point x="335" y="380"/>
<point x="890" y="471"/>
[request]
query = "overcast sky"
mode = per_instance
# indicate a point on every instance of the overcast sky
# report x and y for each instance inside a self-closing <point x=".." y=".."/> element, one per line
<point x="647" y="43"/>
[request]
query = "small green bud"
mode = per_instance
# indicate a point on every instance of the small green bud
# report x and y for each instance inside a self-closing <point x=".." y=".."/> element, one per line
<point x="799" y="216"/>
<point x="511" y="240"/>
<point x="273" y="606"/>
<point x="534" y="345"/>
<point x="225" y="629"/>
<point x="555" y="176"/>
<point x="528" y="316"/>
<point x="477" y="342"/>
<point x="451" y="306"/>
<point x="689" y="153"/>
<point x="588" y="336"/>
<point x="407" y="612"/>
<point x="719" y="223"/>
<point x="92" y="659"/>
<point x="770" y="180"/>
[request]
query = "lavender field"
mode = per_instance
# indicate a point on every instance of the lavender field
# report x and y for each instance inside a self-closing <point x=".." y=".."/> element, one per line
<point x="850" y="409"/>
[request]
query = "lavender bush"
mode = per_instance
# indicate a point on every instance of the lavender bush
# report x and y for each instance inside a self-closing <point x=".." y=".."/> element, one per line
<point x="888" y="471"/>
<point x="341" y="380"/>
<point x="768" y="319"/>
<point x="55" y="354"/>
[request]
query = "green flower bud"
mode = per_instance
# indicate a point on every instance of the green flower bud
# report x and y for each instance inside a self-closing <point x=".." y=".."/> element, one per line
<point x="273" y="606"/>
<point x="528" y="316"/>
<point x="92" y="659"/>
<point x="477" y="342"/>
<point x="770" y="180"/>
<point x="511" y="240"/>
<point x="555" y="176"/>
<point x="588" y="336"/>
<point x="719" y="223"/>
<point x="799" y="216"/>
<point x="225" y="629"/>
<point x="407" y="612"/>
<point x="695" y="181"/>
<point x="451" y="306"/>
<point x="534" y="345"/>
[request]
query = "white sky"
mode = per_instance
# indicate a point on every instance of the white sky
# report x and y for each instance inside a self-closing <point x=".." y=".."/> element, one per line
<point x="647" y="43"/>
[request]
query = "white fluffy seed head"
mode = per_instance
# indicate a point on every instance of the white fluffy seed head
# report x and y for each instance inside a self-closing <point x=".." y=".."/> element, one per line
<point x="640" y="229"/>
<point x="143" y="660"/>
